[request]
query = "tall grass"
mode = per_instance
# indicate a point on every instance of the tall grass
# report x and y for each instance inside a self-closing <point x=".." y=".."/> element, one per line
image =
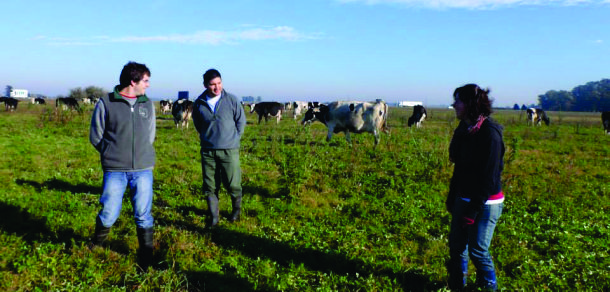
<point x="318" y="216"/>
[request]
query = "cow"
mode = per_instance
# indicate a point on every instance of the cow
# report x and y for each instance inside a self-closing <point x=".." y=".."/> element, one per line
<point x="298" y="108"/>
<point x="67" y="103"/>
<point x="166" y="106"/>
<point x="288" y="106"/>
<point x="267" y="109"/>
<point x="39" y="100"/>
<point x="351" y="116"/>
<point x="313" y="104"/>
<point x="418" y="116"/>
<point x="182" y="109"/>
<point x="535" y="115"/>
<point x="606" y="121"/>
<point x="10" y="104"/>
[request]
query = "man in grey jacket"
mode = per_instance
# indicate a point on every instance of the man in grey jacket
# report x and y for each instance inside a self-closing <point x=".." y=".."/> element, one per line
<point x="220" y="121"/>
<point x="123" y="131"/>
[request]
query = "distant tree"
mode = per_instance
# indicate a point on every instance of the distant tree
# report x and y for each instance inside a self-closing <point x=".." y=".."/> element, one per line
<point x="556" y="100"/>
<point x="516" y="107"/>
<point x="523" y="107"/>
<point x="77" y="93"/>
<point x="259" y="99"/>
<point x="94" y="92"/>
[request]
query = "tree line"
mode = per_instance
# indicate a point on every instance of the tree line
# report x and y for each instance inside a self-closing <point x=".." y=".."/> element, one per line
<point x="591" y="97"/>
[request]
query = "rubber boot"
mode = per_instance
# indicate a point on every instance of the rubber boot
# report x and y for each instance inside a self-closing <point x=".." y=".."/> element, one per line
<point x="236" y="214"/>
<point x="145" y="251"/>
<point x="458" y="274"/>
<point x="486" y="280"/>
<point x="213" y="209"/>
<point x="100" y="236"/>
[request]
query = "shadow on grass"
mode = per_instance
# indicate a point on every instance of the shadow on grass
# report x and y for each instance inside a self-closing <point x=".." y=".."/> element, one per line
<point x="209" y="281"/>
<point x="286" y="255"/>
<point x="33" y="228"/>
<point x="61" y="185"/>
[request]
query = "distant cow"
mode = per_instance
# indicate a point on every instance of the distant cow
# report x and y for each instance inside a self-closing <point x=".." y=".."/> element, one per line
<point x="10" y="104"/>
<point x="288" y="106"/>
<point x="182" y="110"/>
<point x="39" y="100"/>
<point x="166" y="106"/>
<point x="67" y="103"/>
<point x="606" y="121"/>
<point x="267" y="109"/>
<point x="351" y="116"/>
<point x="535" y="115"/>
<point x="418" y="116"/>
<point x="298" y="108"/>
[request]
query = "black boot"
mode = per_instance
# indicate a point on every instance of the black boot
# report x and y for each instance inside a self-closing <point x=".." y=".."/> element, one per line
<point x="236" y="214"/>
<point x="100" y="236"/>
<point x="145" y="251"/>
<point x="213" y="209"/>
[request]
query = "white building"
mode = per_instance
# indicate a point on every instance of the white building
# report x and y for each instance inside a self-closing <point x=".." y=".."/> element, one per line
<point x="19" y="93"/>
<point x="405" y="103"/>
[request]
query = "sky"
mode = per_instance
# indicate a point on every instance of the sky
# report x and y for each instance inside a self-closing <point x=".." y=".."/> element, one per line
<point x="314" y="50"/>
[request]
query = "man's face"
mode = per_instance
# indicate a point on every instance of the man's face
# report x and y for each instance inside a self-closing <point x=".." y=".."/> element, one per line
<point x="140" y="87"/>
<point x="214" y="86"/>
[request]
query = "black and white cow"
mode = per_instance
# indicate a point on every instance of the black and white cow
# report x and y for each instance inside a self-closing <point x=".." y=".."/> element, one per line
<point x="298" y="107"/>
<point x="606" y="121"/>
<point x="67" y="103"/>
<point x="182" y="109"/>
<point x="350" y="117"/>
<point x="418" y="116"/>
<point x="536" y="115"/>
<point x="10" y="104"/>
<point x="39" y="100"/>
<point x="166" y="106"/>
<point x="267" y="109"/>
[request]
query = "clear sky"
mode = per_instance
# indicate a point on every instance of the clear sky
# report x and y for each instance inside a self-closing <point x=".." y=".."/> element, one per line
<point x="320" y="50"/>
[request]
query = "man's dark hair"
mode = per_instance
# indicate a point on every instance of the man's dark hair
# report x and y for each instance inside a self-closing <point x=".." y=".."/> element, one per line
<point x="209" y="75"/>
<point x="475" y="99"/>
<point x="132" y="71"/>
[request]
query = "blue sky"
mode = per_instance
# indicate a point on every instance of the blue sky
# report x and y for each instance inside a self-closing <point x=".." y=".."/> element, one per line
<point x="311" y="50"/>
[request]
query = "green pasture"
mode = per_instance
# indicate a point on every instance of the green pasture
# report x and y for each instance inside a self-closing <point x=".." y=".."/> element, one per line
<point x="318" y="216"/>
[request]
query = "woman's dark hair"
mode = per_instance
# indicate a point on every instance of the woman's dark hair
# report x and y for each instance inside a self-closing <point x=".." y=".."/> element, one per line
<point x="132" y="71"/>
<point x="475" y="99"/>
<point x="209" y="75"/>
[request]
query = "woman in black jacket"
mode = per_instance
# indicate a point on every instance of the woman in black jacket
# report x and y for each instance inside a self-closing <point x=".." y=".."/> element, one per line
<point x="475" y="197"/>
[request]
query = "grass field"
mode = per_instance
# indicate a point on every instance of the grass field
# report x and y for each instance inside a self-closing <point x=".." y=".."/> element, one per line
<point x="318" y="216"/>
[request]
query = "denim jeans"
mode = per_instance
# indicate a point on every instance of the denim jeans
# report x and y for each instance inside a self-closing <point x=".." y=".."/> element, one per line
<point x="472" y="241"/>
<point x="141" y="192"/>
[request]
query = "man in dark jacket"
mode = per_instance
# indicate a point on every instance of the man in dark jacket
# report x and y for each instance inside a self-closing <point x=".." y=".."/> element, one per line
<point x="123" y="131"/>
<point x="220" y="120"/>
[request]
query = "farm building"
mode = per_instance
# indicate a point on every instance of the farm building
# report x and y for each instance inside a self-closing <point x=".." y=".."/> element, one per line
<point x="405" y="103"/>
<point x="18" y="93"/>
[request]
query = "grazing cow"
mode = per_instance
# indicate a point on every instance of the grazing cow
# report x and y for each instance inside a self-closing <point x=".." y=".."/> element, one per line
<point x="10" y="104"/>
<point x="298" y="108"/>
<point x="535" y="115"/>
<point x="267" y="109"/>
<point x="39" y="100"/>
<point x="351" y="116"/>
<point x="166" y="106"/>
<point x="67" y="103"/>
<point x="182" y="110"/>
<point x="418" y="116"/>
<point x="288" y="106"/>
<point x="606" y="121"/>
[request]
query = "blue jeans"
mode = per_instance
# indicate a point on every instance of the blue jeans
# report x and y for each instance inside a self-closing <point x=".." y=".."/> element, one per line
<point x="141" y="191"/>
<point x="472" y="241"/>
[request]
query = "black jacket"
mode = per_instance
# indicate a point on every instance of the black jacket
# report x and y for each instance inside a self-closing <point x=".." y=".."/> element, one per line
<point x="479" y="161"/>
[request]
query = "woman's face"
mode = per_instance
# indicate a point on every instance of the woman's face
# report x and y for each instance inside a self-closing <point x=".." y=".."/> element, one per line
<point x="460" y="108"/>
